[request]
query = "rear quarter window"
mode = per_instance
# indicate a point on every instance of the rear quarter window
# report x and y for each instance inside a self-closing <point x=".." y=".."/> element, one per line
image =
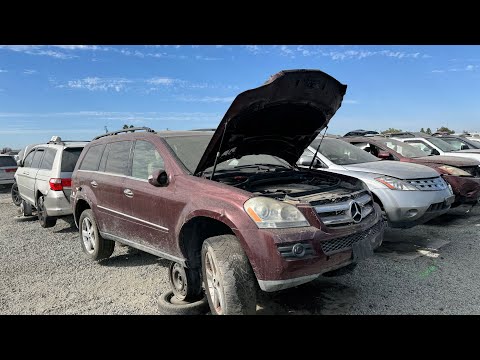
<point x="69" y="159"/>
<point x="91" y="160"/>
<point x="48" y="158"/>
<point x="118" y="157"/>
<point x="7" y="161"/>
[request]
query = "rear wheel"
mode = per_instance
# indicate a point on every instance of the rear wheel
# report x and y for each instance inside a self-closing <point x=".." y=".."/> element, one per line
<point x="16" y="198"/>
<point x="45" y="220"/>
<point x="96" y="247"/>
<point x="228" y="277"/>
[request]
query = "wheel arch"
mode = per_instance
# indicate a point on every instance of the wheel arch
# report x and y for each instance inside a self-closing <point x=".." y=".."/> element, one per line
<point x="80" y="206"/>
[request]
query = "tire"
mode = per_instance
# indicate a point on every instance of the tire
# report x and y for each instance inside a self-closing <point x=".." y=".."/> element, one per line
<point x="228" y="277"/>
<point x="16" y="198"/>
<point x="96" y="247"/>
<point x="169" y="305"/>
<point x="45" y="221"/>
<point x="26" y="208"/>
<point x="186" y="284"/>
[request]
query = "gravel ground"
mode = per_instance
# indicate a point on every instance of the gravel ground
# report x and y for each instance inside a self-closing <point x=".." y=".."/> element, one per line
<point x="430" y="269"/>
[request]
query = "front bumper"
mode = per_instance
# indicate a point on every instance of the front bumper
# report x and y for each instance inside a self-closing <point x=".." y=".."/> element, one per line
<point x="466" y="189"/>
<point x="329" y="249"/>
<point x="406" y="209"/>
<point x="56" y="204"/>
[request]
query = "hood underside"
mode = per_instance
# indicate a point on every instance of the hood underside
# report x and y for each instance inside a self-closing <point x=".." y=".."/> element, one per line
<point x="280" y="118"/>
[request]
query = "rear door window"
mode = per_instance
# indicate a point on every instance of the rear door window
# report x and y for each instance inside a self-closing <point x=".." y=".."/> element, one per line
<point x="37" y="158"/>
<point x="118" y="157"/>
<point x="48" y="158"/>
<point x="69" y="158"/>
<point x="91" y="161"/>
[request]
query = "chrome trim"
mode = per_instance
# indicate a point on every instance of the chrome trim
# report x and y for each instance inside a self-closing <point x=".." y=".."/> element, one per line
<point x="132" y="217"/>
<point x="348" y="207"/>
<point x="429" y="184"/>
<point x="112" y="174"/>
<point x="144" y="248"/>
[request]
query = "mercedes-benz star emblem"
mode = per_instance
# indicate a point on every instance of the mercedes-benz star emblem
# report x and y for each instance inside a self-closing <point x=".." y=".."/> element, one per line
<point x="356" y="212"/>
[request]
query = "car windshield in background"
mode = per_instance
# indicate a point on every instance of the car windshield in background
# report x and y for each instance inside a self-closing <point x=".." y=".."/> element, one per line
<point x="457" y="143"/>
<point x="404" y="149"/>
<point x="253" y="162"/>
<point x="189" y="149"/>
<point x="442" y="145"/>
<point x="7" y="161"/>
<point x="69" y="158"/>
<point x="342" y="153"/>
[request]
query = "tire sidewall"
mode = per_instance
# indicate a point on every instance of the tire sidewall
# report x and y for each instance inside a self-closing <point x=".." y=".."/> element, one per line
<point x="18" y="193"/>
<point x="88" y="213"/>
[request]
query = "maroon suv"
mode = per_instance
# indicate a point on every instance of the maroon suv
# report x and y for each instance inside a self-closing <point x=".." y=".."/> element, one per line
<point x="461" y="173"/>
<point x="230" y="208"/>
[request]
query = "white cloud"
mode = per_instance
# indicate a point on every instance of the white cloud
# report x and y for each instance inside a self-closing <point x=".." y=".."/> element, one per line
<point x="3" y="71"/>
<point x="97" y="84"/>
<point x="29" y="71"/>
<point x="255" y="49"/>
<point x="37" y="50"/>
<point x="78" y="47"/>
<point x="206" y="58"/>
<point x="161" y="81"/>
<point x="350" y="102"/>
<point x="465" y="68"/>
<point x="285" y="50"/>
<point x="438" y="71"/>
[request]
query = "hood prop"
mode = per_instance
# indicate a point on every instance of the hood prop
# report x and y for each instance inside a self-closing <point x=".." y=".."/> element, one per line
<point x="218" y="152"/>
<point x="318" y="147"/>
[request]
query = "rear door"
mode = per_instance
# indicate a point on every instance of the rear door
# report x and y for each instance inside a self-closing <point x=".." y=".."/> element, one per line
<point x="112" y="204"/>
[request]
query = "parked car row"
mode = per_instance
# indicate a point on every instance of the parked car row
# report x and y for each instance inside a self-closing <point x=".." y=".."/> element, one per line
<point x="260" y="202"/>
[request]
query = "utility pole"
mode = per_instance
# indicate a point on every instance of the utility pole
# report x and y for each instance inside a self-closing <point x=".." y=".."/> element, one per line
<point x="106" y="130"/>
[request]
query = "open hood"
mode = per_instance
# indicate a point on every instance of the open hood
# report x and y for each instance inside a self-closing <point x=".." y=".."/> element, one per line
<point x="280" y="118"/>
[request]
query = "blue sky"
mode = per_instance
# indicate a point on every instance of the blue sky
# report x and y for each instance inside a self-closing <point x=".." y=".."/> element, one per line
<point x="76" y="90"/>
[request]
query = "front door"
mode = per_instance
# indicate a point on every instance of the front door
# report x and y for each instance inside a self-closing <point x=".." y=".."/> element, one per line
<point x="151" y="208"/>
<point x="26" y="175"/>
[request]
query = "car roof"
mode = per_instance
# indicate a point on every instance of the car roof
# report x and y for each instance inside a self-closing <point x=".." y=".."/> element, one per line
<point x="167" y="134"/>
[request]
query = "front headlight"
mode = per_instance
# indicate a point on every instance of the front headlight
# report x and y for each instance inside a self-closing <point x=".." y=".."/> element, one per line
<point x="395" y="184"/>
<point x="451" y="170"/>
<point x="270" y="213"/>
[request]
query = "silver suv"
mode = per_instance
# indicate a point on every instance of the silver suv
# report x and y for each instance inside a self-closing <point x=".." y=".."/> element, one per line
<point x="44" y="179"/>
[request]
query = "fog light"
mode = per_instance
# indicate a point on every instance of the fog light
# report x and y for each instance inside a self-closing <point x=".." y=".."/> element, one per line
<point x="298" y="250"/>
<point x="412" y="212"/>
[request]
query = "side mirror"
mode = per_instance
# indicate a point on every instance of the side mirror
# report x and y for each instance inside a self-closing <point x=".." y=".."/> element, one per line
<point x="384" y="155"/>
<point x="20" y="163"/>
<point x="464" y="147"/>
<point x="158" y="178"/>
<point x="306" y="160"/>
<point x="435" y="152"/>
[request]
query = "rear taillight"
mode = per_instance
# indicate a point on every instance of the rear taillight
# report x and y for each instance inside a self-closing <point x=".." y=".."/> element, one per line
<point x="11" y="170"/>
<point x="58" y="184"/>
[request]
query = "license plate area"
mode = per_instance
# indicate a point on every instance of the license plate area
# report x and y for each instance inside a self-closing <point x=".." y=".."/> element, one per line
<point x="362" y="249"/>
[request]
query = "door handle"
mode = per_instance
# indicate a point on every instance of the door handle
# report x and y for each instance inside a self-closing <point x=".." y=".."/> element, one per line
<point x="26" y="173"/>
<point x="128" y="193"/>
<point x="93" y="183"/>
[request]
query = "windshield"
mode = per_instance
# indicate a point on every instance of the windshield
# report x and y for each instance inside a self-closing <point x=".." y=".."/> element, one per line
<point x="342" y="153"/>
<point x="403" y="149"/>
<point x="458" y="143"/>
<point x="189" y="149"/>
<point x="442" y="145"/>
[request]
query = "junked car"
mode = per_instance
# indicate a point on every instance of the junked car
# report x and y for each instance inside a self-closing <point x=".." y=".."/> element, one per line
<point x="8" y="166"/>
<point x="43" y="179"/>
<point x="463" y="174"/>
<point x="460" y="142"/>
<point x="230" y="208"/>
<point x="435" y="145"/>
<point x="409" y="194"/>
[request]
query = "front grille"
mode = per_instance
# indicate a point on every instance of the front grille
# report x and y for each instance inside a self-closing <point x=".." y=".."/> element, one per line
<point x="472" y="170"/>
<point x="438" y="206"/>
<point x="343" y="211"/>
<point x="429" y="184"/>
<point x="333" y="246"/>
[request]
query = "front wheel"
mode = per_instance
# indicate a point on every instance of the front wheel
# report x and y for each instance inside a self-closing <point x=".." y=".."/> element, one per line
<point x="16" y="198"/>
<point x="228" y="277"/>
<point x="96" y="247"/>
<point x="45" y="220"/>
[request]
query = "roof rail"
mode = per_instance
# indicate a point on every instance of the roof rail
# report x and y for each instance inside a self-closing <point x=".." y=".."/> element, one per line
<point x="147" y="129"/>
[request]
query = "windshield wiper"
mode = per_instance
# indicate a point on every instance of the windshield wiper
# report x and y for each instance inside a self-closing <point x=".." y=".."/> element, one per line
<point x="259" y="167"/>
